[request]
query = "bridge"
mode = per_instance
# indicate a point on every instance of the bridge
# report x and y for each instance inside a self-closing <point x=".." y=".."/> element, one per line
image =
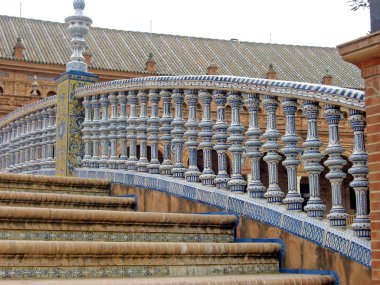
<point x="240" y="145"/>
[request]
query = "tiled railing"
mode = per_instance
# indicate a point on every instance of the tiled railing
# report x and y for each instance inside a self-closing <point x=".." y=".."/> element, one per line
<point x="27" y="137"/>
<point x="255" y="136"/>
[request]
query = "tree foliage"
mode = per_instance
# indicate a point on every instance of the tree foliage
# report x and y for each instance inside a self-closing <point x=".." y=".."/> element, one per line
<point x="356" y="4"/>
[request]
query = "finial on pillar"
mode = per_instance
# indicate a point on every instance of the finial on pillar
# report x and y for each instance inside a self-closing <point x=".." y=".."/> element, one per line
<point x="327" y="78"/>
<point x="212" y="69"/>
<point x="18" y="49"/>
<point x="271" y="73"/>
<point x="79" y="26"/>
<point x="150" y="65"/>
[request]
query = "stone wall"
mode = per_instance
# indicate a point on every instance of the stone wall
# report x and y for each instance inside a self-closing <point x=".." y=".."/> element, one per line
<point x="299" y="254"/>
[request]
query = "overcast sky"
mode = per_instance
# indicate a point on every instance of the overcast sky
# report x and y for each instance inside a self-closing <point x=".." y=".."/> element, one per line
<point x="298" y="22"/>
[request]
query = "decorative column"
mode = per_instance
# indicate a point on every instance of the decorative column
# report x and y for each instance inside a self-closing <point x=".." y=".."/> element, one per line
<point x="113" y="132"/>
<point x="39" y="134"/>
<point x="142" y="164"/>
<point x="312" y="157"/>
<point x="359" y="171"/>
<point x="255" y="188"/>
<point x="69" y="143"/>
<point x="165" y="130"/>
<point x="28" y="139"/>
<point x="177" y="132"/>
<point x="15" y="149"/>
<point x="131" y="129"/>
<point x="293" y="199"/>
<point x="237" y="183"/>
<point x="121" y="130"/>
<point x="95" y="132"/>
<point x="32" y="143"/>
<point x="335" y="162"/>
<point x="153" y="130"/>
<point x="192" y="174"/>
<point x="51" y="142"/>
<point x="86" y="130"/>
<point x="272" y="158"/>
<point x="104" y="102"/>
<point x="207" y="177"/>
<point x="220" y="138"/>
<point x="8" y="147"/>
<point x="45" y="123"/>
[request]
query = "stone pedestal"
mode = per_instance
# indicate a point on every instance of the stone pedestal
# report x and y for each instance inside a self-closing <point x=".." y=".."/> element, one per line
<point x="365" y="54"/>
<point x="70" y="115"/>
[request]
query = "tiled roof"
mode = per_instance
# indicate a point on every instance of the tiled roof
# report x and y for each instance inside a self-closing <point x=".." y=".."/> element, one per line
<point x="49" y="42"/>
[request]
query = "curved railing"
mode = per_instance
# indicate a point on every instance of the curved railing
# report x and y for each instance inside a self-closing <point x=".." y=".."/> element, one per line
<point x="230" y="136"/>
<point x="27" y="137"/>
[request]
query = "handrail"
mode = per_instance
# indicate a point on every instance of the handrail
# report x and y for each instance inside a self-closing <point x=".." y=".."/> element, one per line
<point x="351" y="98"/>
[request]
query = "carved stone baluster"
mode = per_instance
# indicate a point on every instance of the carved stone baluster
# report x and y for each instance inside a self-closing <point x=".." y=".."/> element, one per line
<point x="95" y="132"/>
<point x="15" y="149"/>
<point x="51" y="139"/>
<point x="165" y="130"/>
<point x="39" y="134"/>
<point x="131" y="129"/>
<point x="178" y="131"/>
<point x="45" y="123"/>
<point x="255" y="188"/>
<point x="153" y="130"/>
<point x="121" y="129"/>
<point x="312" y="157"/>
<point x="207" y="177"/>
<point x="23" y="145"/>
<point x="27" y="141"/>
<point x="142" y="164"/>
<point x="104" y="103"/>
<point x="87" y="132"/>
<point x="272" y="158"/>
<point x="113" y="134"/>
<point x="359" y="170"/>
<point x="8" y="156"/>
<point x="192" y="174"/>
<point x="32" y="144"/>
<point x="237" y="183"/>
<point x="293" y="199"/>
<point x="220" y="138"/>
<point x="335" y="162"/>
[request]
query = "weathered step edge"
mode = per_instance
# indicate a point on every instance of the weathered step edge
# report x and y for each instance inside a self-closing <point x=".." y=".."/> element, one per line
<point x="41" y="183"/>
<point x="258" y="279"/>
<point x="72" y="224"/>
<point x="51" y="200"/>
<point x="34" y="259"/>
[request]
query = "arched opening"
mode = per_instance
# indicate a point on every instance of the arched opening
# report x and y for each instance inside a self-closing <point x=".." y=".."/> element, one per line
<point x="51" y="93"/>
<point x="1" y="90"/>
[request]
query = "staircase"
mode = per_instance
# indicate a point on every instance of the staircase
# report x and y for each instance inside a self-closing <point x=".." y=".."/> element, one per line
<point x="58" y="230"/>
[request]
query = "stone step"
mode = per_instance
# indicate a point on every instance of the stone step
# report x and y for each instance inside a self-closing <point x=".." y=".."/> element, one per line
<point x="53" y="184"/>
<point x="67" y="201"/>
<point x="57" y="259"/>
<point x="91" y="225"/>
<point x="257" y="279"/>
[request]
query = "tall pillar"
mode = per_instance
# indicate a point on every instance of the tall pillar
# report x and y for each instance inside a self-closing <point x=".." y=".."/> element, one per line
<point x="142" y="164"/>
<point x="113" y="132"/>
<point x="255" y="188"/>
<point x="153" y="130"/>
<point x="165" y="130"/>
<point x="192" y="174"/>
<point x="69" y="143"/>
<point x="364" y="53"/>
<point x="131" y="129"/>
<point x="272" y="158"/>
<point x="293" y="199"/>
<point x="220" y="138"/>
<point x="122" y="131"/>
<point x="312" y="157"/>
<point x="207" y="177"/>
<point x="335" y="162"/>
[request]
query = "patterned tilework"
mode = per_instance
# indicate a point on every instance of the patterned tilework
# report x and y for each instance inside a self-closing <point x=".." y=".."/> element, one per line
<point x="133" y="271"/>
<point x="113" y="236"/>
<point x="70" y="114"/>
<point x="317" y="231"/>
<point x="332" y="94"/>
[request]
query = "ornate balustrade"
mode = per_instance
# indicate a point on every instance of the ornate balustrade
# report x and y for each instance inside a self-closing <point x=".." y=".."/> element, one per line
<point x="27" y="137"/>
<point x="243" y="135"/>
<point x="195" y="122"/>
